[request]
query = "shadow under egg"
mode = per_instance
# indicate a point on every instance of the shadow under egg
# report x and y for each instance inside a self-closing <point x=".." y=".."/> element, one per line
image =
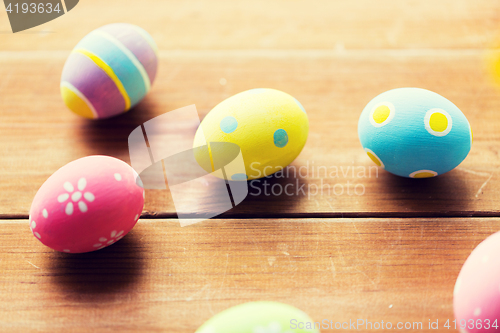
<point x="272" y="195"/>
<point x="444" y="195"/>
<point x="110" y="136"/>
<point x="98" y="275"/>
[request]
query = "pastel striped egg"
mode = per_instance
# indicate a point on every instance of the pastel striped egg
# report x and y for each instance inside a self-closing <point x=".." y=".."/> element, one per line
<point x="109" y="71"/>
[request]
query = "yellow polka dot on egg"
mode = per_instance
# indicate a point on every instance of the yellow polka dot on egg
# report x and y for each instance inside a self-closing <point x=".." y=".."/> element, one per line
<point x="381" y="114"/>
<point x="438" y="122"/>
<point x="373" y="158"/>
<point x="423" y="174"/>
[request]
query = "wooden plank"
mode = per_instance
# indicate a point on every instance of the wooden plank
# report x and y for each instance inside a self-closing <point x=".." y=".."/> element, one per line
<point x="162" y="277"/>
<point x="38" y="134"/>
<point x="281" y="24"/>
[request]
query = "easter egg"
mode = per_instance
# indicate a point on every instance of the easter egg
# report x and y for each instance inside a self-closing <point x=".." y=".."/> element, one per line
<point x="109" y="71"/>
<point x="269" y="126"/>
<point x="476" y="297"/>
<point x="492" y="63"/>
<point x="87" y="204"/>
<point x="260" y="317"/>
<point x="414" y="133"/>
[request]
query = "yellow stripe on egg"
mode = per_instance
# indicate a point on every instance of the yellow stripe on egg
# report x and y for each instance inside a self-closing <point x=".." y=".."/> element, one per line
<point x="76" y="101"/>
<point x="128" y="54"/>
<point x="210" y="155"/>
<point x="109" y="71"/>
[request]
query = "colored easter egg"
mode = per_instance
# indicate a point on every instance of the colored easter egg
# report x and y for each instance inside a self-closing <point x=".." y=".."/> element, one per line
<point x="87" y="204"/>
<point x="268" y="125"/>
<point x="414" y="133"/>
<point x="476" y="297"/>
<point x="109" y="71"/>
<point x="492" y="62"/>
<point x="260" y="317"/>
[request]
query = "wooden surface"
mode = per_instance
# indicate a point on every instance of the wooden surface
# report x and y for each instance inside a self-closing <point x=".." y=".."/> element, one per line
<point x="169" y="279"/>
<point x="39" y="135"/>
<point x="403" y="241"/>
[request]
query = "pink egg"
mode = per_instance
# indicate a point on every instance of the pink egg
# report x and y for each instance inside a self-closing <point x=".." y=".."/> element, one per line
<point x="476" y="298"/>
<point x="86" y="205"/>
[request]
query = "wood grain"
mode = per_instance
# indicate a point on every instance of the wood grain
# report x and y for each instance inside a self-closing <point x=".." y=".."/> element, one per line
<point x="39" y="135"/>
<point x="334" y="57"/>
<point x="283" y="24"/>
<point x="162" y="277"/>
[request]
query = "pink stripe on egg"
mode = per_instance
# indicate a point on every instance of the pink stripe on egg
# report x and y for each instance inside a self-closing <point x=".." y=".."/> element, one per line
<point x="94" y="84"/>
<point x="137" y="44"/>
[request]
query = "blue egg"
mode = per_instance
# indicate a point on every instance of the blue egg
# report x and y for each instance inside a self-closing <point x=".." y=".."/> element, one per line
<point x="414" y="133"/>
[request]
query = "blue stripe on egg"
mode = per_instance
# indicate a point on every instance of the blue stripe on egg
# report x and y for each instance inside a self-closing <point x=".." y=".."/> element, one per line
<point x="228" y="124"/>
<point x="123" y="67"/>
<point x="280" y="138"/>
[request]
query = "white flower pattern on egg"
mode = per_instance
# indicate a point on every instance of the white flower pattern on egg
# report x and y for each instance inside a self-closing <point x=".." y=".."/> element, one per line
<point x="114" y="237"/>
<point x="76" y="197"/>
<point x="33" y="226"/>
<point x="273" y="327"/>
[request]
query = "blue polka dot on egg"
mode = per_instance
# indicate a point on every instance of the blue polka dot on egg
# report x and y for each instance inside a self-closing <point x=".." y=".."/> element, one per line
<point x="239" y="176"/>
<point x="228" y="124"/>
<point x="280" y="138"/>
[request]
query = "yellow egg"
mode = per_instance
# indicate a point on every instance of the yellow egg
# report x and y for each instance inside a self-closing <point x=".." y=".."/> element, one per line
<point x="269" y="126"/>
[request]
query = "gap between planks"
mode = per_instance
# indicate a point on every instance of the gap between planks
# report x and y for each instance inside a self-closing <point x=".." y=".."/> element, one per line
<point x="323" y="215"/>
